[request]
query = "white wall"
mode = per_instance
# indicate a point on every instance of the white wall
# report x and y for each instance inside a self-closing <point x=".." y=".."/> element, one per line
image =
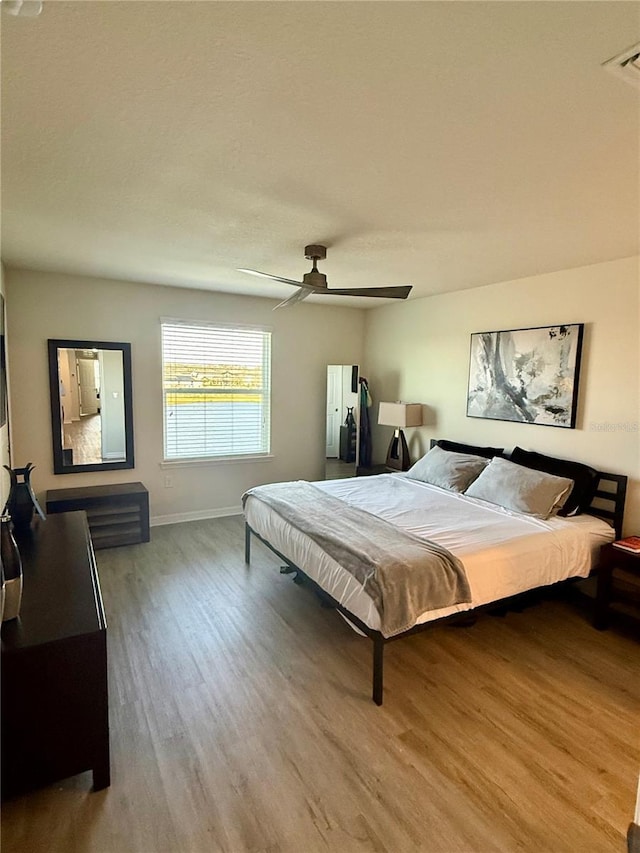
<point x="419" y="352"/>
<point x="112" y="417"/>
<point x="305" y="339"/>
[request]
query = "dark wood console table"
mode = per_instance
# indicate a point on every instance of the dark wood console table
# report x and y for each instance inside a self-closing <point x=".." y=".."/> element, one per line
<point x="118" y="513"/>
<point x="55" y="715"/>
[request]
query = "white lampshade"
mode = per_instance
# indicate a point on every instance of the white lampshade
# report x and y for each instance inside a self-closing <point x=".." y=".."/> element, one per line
<point x="400" y="414"/>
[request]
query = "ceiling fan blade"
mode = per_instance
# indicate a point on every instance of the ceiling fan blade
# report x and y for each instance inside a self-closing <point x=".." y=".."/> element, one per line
<point x="272" y="277"/>
<point x="298" y="296"/>
<point x="384" y="292"/>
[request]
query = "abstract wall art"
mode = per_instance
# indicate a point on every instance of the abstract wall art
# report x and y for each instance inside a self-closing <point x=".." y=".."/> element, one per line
<point x="526" y="375"/>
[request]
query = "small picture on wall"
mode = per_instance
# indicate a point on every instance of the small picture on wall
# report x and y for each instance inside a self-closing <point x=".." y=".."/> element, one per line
<point x="526" y="375"/>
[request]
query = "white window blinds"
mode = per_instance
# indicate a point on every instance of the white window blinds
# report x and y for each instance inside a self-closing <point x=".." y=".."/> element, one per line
<point x="216" y="390"/>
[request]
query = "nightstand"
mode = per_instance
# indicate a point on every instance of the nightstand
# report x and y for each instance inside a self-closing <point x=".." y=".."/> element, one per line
<point x="618" y="583"/>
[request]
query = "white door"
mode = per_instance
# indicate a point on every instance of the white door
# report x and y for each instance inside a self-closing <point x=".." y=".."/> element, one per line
<point x="88" y="384"/>
<point x="334" y="403"/>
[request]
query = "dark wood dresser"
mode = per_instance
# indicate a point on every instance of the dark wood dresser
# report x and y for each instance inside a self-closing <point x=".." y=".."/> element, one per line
<point x="118" y="513"/>
<point x="55" y="715"/>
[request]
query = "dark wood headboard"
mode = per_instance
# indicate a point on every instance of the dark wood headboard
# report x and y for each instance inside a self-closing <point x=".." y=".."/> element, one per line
<point x="609" y="498"/>
<point x="608" y="501"/>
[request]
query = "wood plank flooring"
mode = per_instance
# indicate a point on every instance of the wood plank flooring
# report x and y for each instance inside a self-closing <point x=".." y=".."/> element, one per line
<point x="84" y="437"/>
<point x="241" y="722"/>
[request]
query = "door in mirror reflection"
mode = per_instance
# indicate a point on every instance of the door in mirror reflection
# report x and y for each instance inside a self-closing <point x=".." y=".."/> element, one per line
<point x="90" y="405"/>
<point x="341" y="421"/>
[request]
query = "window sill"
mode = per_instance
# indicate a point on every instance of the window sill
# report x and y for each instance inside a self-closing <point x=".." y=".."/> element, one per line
<point x="215" y="460"/>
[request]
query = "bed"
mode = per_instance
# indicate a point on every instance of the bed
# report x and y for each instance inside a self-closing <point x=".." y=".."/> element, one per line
<point x="502" y="551"/>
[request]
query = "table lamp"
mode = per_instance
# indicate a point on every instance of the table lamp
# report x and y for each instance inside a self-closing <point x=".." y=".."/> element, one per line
<point x="399" y="415"/>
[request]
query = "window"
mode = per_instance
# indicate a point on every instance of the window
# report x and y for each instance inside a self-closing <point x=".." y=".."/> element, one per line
<point x="216" y="390"/>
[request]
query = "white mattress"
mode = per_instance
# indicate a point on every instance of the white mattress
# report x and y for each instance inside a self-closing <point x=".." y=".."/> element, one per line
<point x="503" y="552"/>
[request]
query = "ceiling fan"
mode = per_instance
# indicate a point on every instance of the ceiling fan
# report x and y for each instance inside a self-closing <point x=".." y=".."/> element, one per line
<point x="316" y="282"/>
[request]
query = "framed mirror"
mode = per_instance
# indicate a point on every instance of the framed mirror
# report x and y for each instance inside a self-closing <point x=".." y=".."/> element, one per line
<point x="342" y="421"/>
<point x="91" y="405"/>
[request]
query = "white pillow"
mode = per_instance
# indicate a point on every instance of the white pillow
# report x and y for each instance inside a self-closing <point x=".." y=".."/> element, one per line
<point x="453" y="471"/>
<point x="521" y="489"/>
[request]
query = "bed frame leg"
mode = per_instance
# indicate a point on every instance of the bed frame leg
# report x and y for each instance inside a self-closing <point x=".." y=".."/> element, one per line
<point x="247" y="543"/>
<point x="378" y="659"/>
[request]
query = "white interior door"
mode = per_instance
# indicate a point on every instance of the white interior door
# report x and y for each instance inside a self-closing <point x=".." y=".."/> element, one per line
<point x="334" y="409"/>
<point x="88" y="383"/>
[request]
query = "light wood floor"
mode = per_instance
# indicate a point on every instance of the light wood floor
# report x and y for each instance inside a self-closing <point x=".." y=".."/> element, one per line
<point x="241" y="721"/>
<point x="84" y="437"/>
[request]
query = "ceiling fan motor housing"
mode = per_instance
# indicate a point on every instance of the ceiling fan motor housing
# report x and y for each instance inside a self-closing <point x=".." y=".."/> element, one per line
<point x="314" y="278"/>
<point x="315" y="253"/>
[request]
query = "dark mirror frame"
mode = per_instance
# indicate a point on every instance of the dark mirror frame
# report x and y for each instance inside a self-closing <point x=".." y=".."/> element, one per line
<point x="54" y="384"/>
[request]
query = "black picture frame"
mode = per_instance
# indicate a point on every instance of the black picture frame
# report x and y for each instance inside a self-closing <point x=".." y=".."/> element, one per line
<point x="528" y="375"/>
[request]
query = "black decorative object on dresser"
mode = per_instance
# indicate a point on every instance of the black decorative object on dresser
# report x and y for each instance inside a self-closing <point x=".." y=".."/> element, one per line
<point x="55" y="715"/>
<point x="22" y="501"/>
<point x="118" y="514"/>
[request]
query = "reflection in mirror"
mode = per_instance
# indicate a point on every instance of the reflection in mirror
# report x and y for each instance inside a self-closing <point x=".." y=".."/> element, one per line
<point x="91" y="413"/>
<point x="342" y="421"/>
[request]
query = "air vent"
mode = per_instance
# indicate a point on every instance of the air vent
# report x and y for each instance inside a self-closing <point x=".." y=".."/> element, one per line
<point x="626" y="65"/>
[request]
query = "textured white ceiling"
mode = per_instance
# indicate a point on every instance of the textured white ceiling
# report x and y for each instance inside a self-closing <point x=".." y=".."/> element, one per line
<point x="444" y="145"/>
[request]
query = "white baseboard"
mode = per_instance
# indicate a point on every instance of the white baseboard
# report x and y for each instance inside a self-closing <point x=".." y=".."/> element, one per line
<point x="178" y="517"/>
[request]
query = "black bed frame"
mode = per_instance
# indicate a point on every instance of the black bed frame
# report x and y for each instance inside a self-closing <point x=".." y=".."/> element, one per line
<point x="608" y="504"/>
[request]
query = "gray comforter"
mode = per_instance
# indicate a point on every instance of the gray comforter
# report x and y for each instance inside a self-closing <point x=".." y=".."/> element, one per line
<point x="403" y="574"/>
